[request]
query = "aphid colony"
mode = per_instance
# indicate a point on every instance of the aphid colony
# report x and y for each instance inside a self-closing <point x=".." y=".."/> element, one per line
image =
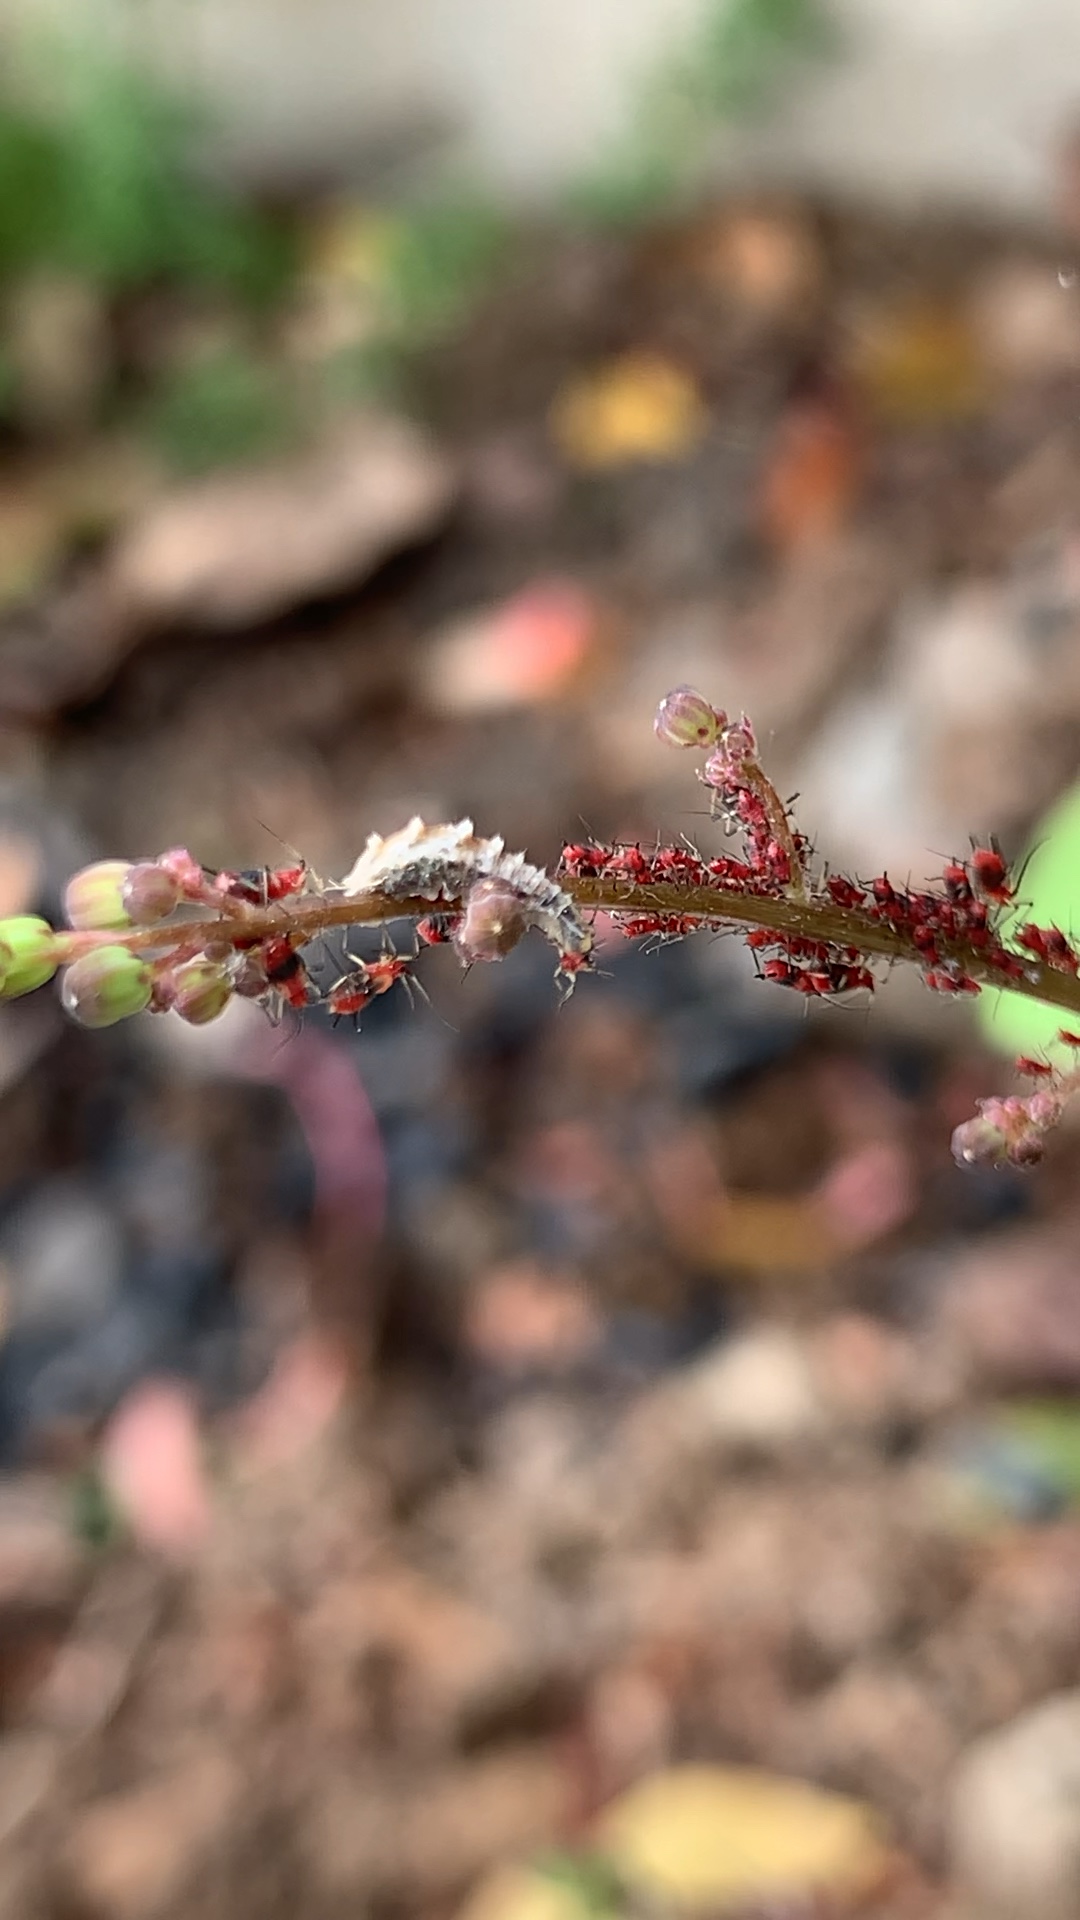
<point x="935" y="925"/>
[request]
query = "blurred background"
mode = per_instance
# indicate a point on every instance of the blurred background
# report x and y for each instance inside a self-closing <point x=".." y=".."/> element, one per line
<point x="519" y="1462"/>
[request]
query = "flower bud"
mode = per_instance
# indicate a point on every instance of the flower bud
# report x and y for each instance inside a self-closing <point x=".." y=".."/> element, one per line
<point x="684" y="718"/>
<point x="979" y="1143"/>
<point x="30" y="953"/>
<point x="185" y="870"/>
<point x="493" y="921"/>
<point x="149" y="893"/>
<point x="200" y="990"/>
<point x="94" y="897"/>
<point x="104" y="986"/>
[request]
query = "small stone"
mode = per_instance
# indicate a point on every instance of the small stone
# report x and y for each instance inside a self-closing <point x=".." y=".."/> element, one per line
<point x="756" y="1393"/>
<point x="131" y="1855"/>
<point x="1014" y="1816"/>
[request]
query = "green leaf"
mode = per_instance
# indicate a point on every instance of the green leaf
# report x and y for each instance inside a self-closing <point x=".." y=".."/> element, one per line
<point x="1050" y="1431"/>
<point x="223" y="411"/>
<point x="1051" y="888"/>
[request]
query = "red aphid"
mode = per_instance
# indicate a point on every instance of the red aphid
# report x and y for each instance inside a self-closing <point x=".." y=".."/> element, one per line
<point x="852" y="979"/>
<point x="779" y="861"/>
<point x="583" y="860"/>
<point x="1067" y="1038"/>
<point x="1049" y="945"/>
<point x="673" y="926"/>
<point x="759" y="937"/>
<point x="991" y="874"/>
<point x="349" y="996"/>
<point x="629" y="861"/>
<point x="283" y="881"/>
<point x="1034" y="1069"/>
<point x="382" y="974"/>
<point x="285" y="970"/>
<point x="1033" y="940"/>
<point x="942" y="982"/>
<point x="782" y="972"/>
<point x="957" y="884"/>
<point x="816" y="981"/>
<point x="574" y="963"/>
<point x="844" y="893"/>
<point x="435" y="930"/>
<point x="675" y="863"/>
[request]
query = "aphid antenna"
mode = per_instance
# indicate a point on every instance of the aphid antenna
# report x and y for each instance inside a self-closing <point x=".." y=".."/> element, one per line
<point x="317" y="882"/>
<point x="1022" y="870"/>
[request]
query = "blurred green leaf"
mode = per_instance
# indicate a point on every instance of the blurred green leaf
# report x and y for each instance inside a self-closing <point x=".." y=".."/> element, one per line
<point x="591" y="1879"/>
<point x="729" y="65"/>
<point x="94" y="1517"/>
<point x="439" y="258"/>
<point x="1010" y="1021"/>
<point x="221" y="411"/>
<point x="1050" y="1431"/>
<point x="101" y="184"/>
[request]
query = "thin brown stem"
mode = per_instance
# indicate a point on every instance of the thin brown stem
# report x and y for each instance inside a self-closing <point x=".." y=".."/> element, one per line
<point x="304" y="917"/>
<point x="779" y="825"/>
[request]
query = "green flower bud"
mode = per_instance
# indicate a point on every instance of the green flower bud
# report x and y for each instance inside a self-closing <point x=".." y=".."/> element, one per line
<point x="684" y="718"/>
<point x="104" y="986"/>
<point x="30" y="953"/>
<point x="149" y="892"/>
<point x="199" y="991"/>
<point x="94" y="897"/>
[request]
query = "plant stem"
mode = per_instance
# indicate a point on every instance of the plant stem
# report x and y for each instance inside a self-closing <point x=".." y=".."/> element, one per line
<point x="304" y="917"/>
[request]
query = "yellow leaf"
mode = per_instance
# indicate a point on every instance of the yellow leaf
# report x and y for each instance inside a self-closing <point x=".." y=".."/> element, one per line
<point x="700" y="1837"/>
<point x="639" y="407"/>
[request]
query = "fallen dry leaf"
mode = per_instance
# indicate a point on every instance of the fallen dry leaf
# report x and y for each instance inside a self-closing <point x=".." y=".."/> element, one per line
<point x="246" y="546"/>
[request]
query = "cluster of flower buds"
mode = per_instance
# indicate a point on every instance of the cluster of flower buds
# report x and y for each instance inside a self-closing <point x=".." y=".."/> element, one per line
<point x="105" y="980"/>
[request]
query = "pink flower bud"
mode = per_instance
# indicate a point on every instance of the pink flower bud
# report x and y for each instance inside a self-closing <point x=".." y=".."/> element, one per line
<point x="185" y="870"/>
<point x="94" y="897"/>
<point x="104" y="986"/>
<point x="200" y="991"/>
<point x="1046" y="1108"/>
<point x="150" y="892"/>
<point x="684" y="718"/>
<point x="493" y="922"/>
